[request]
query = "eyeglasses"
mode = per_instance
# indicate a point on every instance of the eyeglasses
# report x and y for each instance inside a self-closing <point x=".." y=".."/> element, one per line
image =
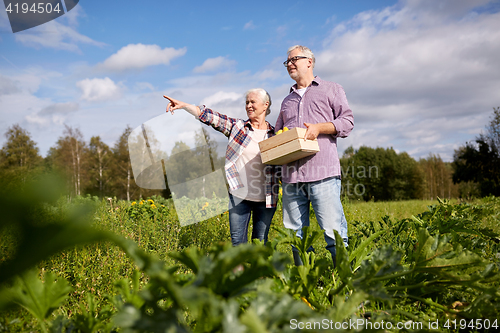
<point x="293" y="60"/>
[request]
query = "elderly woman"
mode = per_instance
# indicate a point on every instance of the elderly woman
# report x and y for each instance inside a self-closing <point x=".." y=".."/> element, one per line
<point x="253" y="189"/>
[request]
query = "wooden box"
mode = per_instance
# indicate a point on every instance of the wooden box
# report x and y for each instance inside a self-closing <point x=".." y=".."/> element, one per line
<point x="287" y="147"/>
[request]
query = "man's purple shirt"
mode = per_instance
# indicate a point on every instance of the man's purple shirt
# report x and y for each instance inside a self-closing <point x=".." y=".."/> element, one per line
<point x="323" y="101"/>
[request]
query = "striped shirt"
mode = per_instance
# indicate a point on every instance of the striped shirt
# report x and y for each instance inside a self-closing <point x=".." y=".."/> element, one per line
<point x="239" y="133"/>
<point x="323" y="101"/>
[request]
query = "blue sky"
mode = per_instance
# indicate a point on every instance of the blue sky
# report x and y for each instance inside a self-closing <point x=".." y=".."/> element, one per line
<point x="421" y="76"/>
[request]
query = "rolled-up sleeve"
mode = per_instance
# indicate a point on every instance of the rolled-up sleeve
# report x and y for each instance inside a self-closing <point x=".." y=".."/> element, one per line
<point x="218" y="121"/>
<point x="342" y="113"/>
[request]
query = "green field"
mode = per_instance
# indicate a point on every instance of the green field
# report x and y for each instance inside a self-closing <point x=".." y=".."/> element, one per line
<point x="408" y="261"/>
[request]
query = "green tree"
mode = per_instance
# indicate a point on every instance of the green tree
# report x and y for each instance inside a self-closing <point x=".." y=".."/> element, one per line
<point x="19" y="156"/>
<point x="411" y="177"/>
<point x="492" y="135"/>
<point x="99" y="161"/>
<point x="380" y="174"/>
<point x="438" y="178"/>
<point x="479" y="162"/>
<point x="124" y="183"/>
<point x="68" y="157"/>
<point x="361" y="173"/>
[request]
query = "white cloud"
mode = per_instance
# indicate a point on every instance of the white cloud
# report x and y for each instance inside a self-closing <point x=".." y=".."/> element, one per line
<point x="281" y="30"/>
<point x="74" y="15"/>
<point x="36" y="119"/>
<point x="215" y="64"/>
<point x="222" y="98"/>
<point x="8" y="86"/>
<point x="435" y="12"/>
<point x="99" y="90"/>
<point x="140" y="86"/>
<point x="228" y="103"/>
<point x="139" y="56"/>
<point x="59" y="108"/>
<point x="55" y="35"/>
<point x="394" y="56"/>
<point x="249" y="25"/>
<point x="51" y="114"/>
<point x="16" y="106"/>
<point x="18" y="97"/>
<point x="415" y="63"/>
<point x="268" y="74"/>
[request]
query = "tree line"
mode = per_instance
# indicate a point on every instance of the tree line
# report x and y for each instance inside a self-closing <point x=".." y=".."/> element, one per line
<point x="383" y="174"/>
<point x="97" y="169"/>
<point x="89" y="168"/>
<point x="379" y="174"/>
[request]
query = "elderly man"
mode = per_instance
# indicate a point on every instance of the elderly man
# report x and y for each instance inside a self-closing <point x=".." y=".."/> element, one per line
<point x="321" y="107"/>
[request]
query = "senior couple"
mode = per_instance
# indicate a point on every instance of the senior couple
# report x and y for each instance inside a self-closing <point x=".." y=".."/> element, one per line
<point x="317" y="105"/>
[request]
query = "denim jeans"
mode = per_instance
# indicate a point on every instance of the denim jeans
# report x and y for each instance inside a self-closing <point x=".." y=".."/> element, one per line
<point x="239" y="218"/>
<point x="324" y="195"/>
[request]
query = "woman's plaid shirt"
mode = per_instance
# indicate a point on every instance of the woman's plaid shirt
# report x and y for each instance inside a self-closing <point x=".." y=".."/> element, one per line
<point x="239" y="133"/>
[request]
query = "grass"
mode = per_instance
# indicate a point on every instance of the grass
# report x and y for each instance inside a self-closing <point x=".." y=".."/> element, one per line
<point x="374" y="211"/>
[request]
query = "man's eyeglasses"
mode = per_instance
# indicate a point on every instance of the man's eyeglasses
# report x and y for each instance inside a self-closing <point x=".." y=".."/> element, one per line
<point x="293" y="60"/>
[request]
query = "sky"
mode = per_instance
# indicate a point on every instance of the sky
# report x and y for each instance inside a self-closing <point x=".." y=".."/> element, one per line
<point x="421" y="76"/>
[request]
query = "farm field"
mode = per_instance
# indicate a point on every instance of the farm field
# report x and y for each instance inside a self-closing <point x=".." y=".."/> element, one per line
<point x="420" y="263"/>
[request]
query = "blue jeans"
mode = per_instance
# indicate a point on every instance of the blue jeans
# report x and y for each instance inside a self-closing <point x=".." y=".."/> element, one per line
<point x="324" y="195"/>
<point x="239" y="218"/>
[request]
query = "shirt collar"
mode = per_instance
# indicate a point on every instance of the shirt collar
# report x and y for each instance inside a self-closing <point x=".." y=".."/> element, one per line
<point x="270" y="128"/>
<point x="315" y="82"/>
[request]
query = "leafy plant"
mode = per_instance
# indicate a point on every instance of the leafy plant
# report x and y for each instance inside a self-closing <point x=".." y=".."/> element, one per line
<point x="441" y="264"/>
<point x="39" y="298"/>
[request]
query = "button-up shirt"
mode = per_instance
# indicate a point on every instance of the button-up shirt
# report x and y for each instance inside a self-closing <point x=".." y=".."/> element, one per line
<point x="323" y="101"/>
<point x="239" y="133"/>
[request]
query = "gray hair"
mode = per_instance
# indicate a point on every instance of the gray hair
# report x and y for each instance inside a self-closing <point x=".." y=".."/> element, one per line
<point x="264" y="97"/>
<point x="306" y="52"/>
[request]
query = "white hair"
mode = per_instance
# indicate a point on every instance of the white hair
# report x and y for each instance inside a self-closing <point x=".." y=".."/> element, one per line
<point x="264" y="97"/>
<point x="306" y="52"/>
